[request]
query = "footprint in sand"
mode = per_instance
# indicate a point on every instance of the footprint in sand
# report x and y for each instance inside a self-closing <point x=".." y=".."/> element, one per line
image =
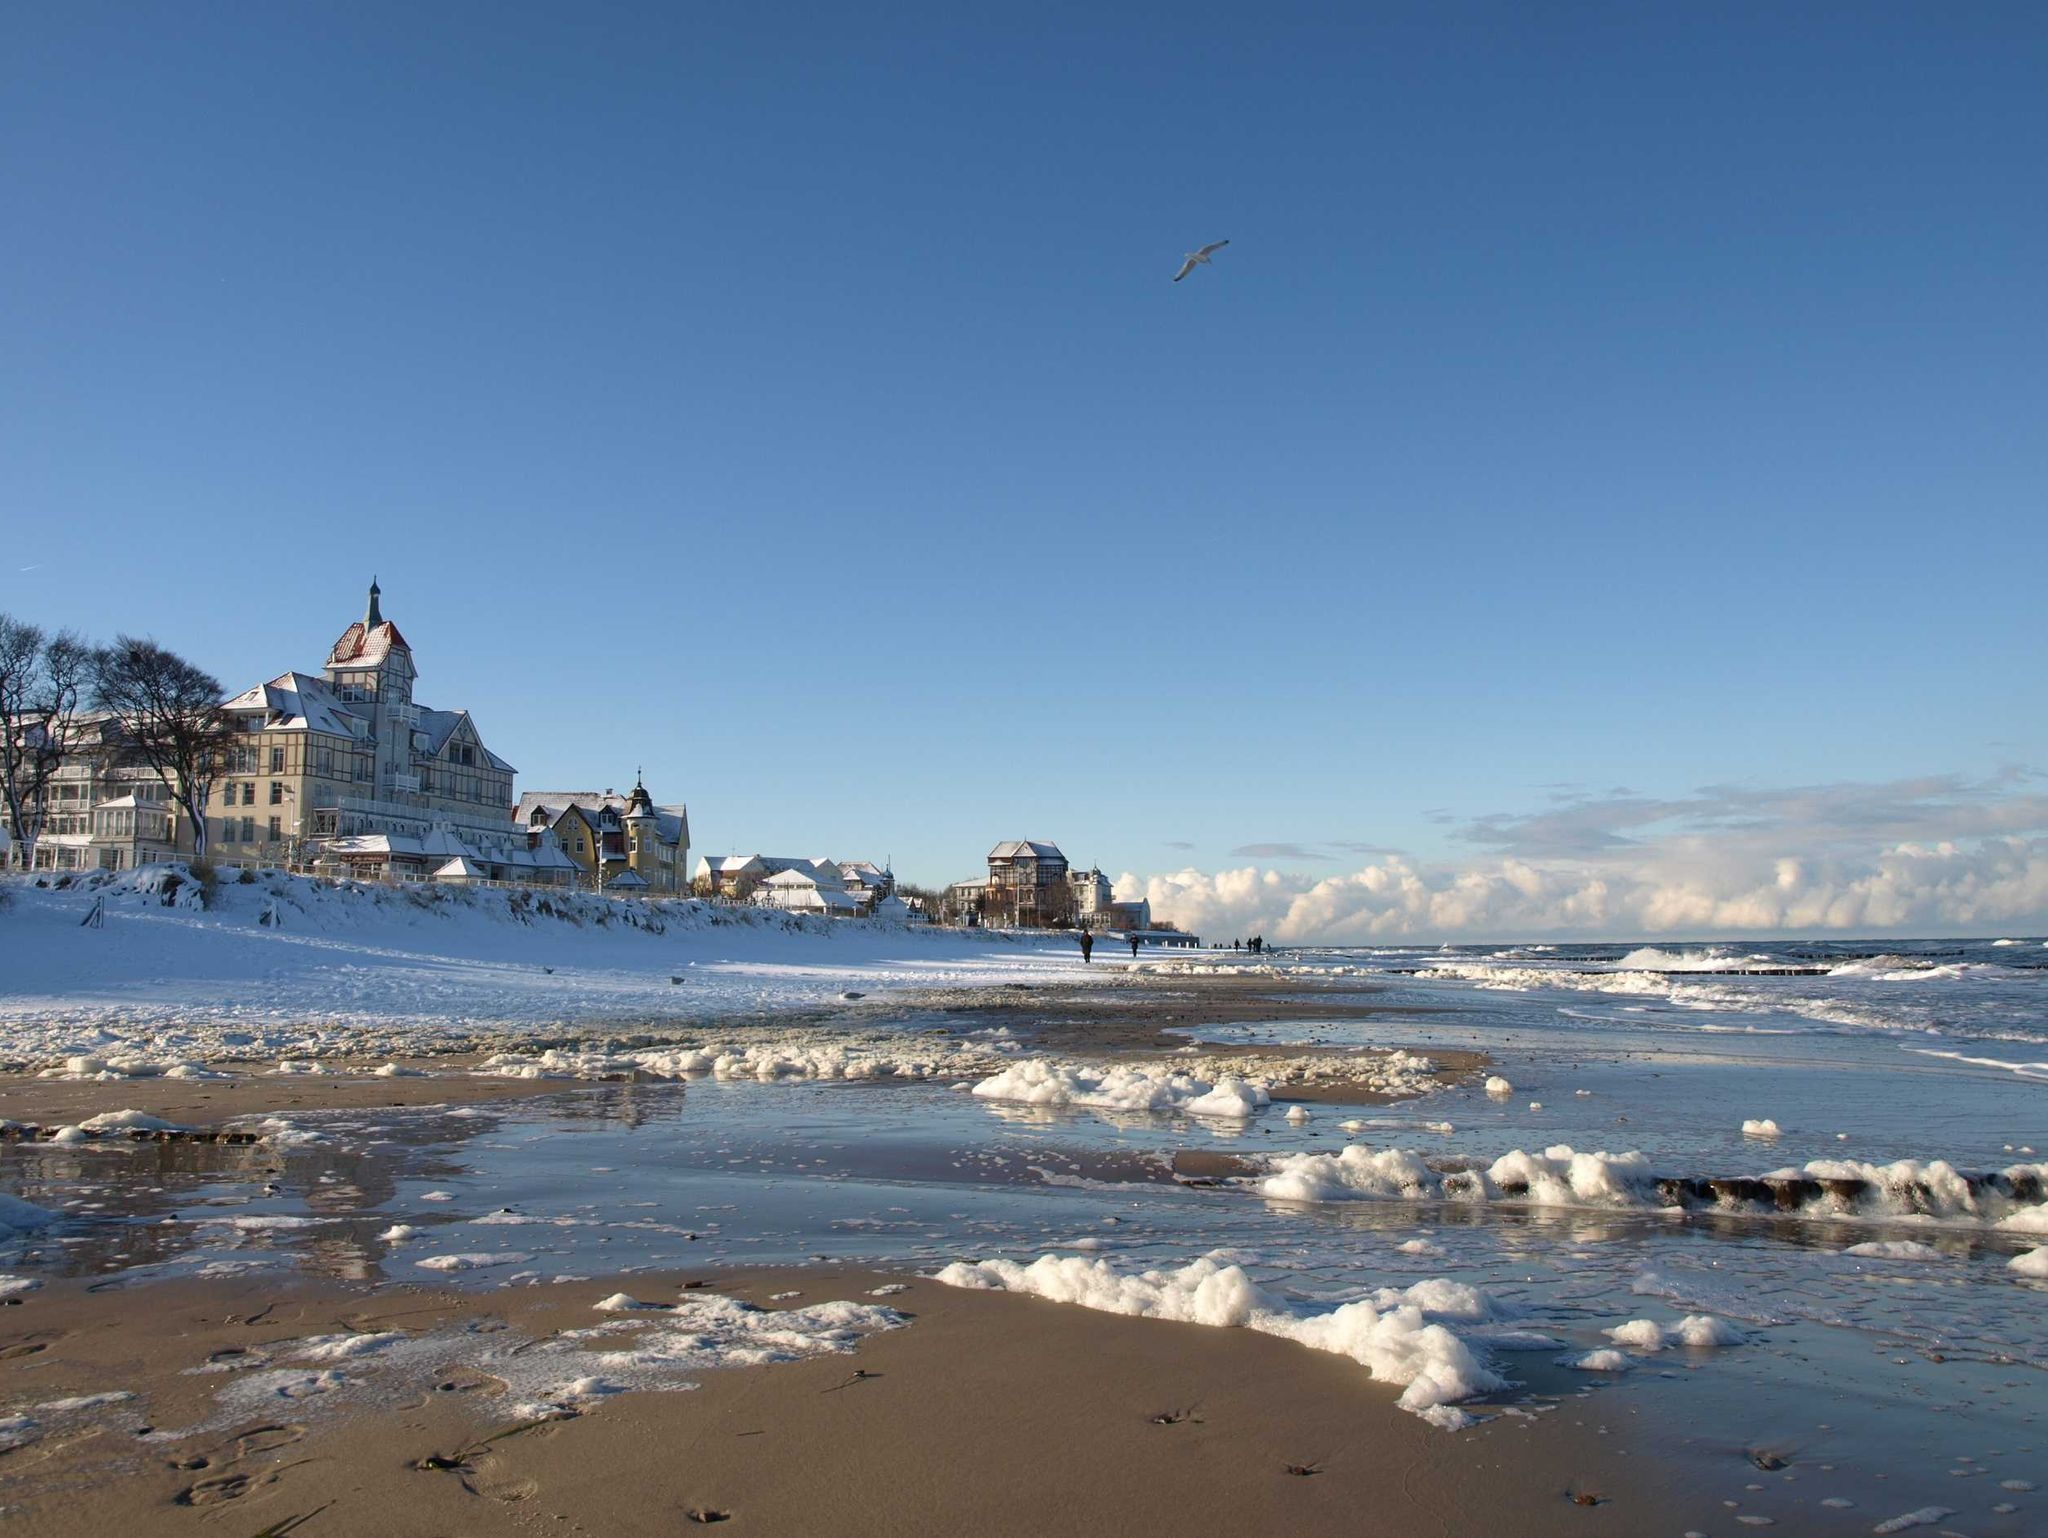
<point x="211" y="1492"/>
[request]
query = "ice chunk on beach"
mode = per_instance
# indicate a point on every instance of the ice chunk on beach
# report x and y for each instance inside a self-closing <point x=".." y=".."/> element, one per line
<point x="1039" y="1081"/>
<point x="1926" y="1516"/>
<point x="127" y="1121"/>
<point x="1763" y="1128"/>
<point x="1353" y="1174"/>
<point x="1391" y="1335"/>
<point x="1893" y="1249"/>
<point x="1606" y="1359"/>
<point x="471" y="1262"/>
<point x="2033" y="1263"/>
<point x="1498" y="1087"/>
<point x="1692" y="1330"/>
<point x="18" y="1216"/>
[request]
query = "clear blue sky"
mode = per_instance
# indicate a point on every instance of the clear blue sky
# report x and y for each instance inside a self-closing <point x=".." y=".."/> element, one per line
<point x="794" y="399"/>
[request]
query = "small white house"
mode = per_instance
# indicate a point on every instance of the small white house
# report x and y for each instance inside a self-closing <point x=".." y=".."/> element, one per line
<point x="809" y="890"/>
<point x="896" y="911"/>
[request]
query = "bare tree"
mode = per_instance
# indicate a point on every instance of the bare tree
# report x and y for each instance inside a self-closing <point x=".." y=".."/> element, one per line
<point x="41" y="679"/>
<point x="170" y="714"/>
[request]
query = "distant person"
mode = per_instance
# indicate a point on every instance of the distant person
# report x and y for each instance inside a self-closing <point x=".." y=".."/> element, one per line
<point x="1235" y="946"/>
<point x="1087" y="946"/>
<point x="1134" y="947"/>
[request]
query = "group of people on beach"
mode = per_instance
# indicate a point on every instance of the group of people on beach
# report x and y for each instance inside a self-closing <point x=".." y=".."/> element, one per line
<point x="1256" y="945"/>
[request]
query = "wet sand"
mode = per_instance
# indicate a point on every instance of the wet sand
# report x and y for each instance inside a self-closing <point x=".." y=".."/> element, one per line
<point x="989" y="1414"/>
<point x="42" y="1102"/>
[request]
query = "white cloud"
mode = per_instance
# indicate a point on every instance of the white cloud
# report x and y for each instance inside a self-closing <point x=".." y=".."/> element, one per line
<point x="1939" y="855"/>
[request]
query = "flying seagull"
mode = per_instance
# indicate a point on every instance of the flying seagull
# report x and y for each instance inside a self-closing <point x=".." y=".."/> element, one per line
<point x="1199" y="258"/>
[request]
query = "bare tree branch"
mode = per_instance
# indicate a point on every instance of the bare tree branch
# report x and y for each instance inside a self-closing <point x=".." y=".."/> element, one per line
<point x="41" y="679"/>
<point x="170" y="713"/>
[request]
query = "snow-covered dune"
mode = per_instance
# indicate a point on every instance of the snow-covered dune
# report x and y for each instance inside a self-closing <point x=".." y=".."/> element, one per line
<point x="286" y="965"/>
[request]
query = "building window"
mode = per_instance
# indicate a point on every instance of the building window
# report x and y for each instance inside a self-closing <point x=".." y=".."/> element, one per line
<point x="227" y="830"/>
<point x="277" y="792"/>
<point x="276" y="830"/>
<point x="277" y="760"/>
<point x="248" y="794"/>
<point x="248" y="830"/>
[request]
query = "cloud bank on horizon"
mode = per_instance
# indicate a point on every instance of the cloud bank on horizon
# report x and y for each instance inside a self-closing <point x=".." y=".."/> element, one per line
<point x="1939" y="854"/>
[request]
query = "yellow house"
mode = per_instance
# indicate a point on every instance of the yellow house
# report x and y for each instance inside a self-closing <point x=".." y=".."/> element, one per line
<point x="620" y="843"/>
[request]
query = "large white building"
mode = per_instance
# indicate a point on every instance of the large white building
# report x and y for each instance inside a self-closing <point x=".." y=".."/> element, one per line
<point x="345" y="771"/>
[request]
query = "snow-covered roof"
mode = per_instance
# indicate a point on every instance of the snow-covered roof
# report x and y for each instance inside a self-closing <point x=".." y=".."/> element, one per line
<point x="299" y="702"/>
<point x="671" y="823"/>
<point x="461" y="868"/>
<point x="806" y="876"/>
<point x="1026" y="848"/>
<point x="630" y="879"/>
<point x="360" y="648"/>
<point x="763" y="864"/>
<point x="123" y="803"/>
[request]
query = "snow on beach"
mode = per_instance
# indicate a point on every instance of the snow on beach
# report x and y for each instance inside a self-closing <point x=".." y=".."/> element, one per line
<point x="184" y="974"/>
<point x="1395" y="1335"/>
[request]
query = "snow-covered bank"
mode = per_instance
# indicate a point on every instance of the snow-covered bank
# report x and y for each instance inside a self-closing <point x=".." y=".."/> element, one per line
<point x="187" y="972"/>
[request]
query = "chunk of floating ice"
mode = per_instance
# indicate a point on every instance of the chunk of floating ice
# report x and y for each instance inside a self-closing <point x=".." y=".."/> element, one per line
<point x="473" y="1262"/>
<point x="1760" y="1128"/>
<point x="23" y="1217"/>
<point x="1297" y="1114"/>
<point x="1353" y="1125"/>
<point x="1926" y="1516"/>
<point x="1535" y="1105"/>
<point x="397" y="1232"/>
<point x="1391" y="1335"/>
<point x="1607" y="1359"/>
<point x="1894" y="1249"/>
<point x="1692" y="1330"/>
<point x="1418" y="1247"/>
<point x="1038" y="1081"/>
<point x="888" y="1290"/>
<point x="1498" y="1086"/>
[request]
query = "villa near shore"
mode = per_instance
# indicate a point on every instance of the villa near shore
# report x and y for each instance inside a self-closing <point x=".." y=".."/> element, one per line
<point x="1030" y="885"/>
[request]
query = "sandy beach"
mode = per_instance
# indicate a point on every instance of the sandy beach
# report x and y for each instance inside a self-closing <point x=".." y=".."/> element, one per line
<point x="980" y="1413"/>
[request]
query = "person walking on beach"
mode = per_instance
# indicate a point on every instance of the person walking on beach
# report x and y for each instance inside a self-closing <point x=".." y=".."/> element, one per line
<point x="1087" y="946"/>
<point x="1134" y="947"/>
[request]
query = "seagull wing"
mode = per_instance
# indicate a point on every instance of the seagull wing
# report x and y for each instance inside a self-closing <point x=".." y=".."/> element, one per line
<point x="1186" y="267"/>
<point x="1216" y="245"/>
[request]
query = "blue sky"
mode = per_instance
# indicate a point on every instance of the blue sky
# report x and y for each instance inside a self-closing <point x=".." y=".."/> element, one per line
<point x="793" y="399"/>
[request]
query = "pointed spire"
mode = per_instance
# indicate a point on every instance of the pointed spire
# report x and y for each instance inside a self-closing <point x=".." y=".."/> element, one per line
<point x="373" y="616"/>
